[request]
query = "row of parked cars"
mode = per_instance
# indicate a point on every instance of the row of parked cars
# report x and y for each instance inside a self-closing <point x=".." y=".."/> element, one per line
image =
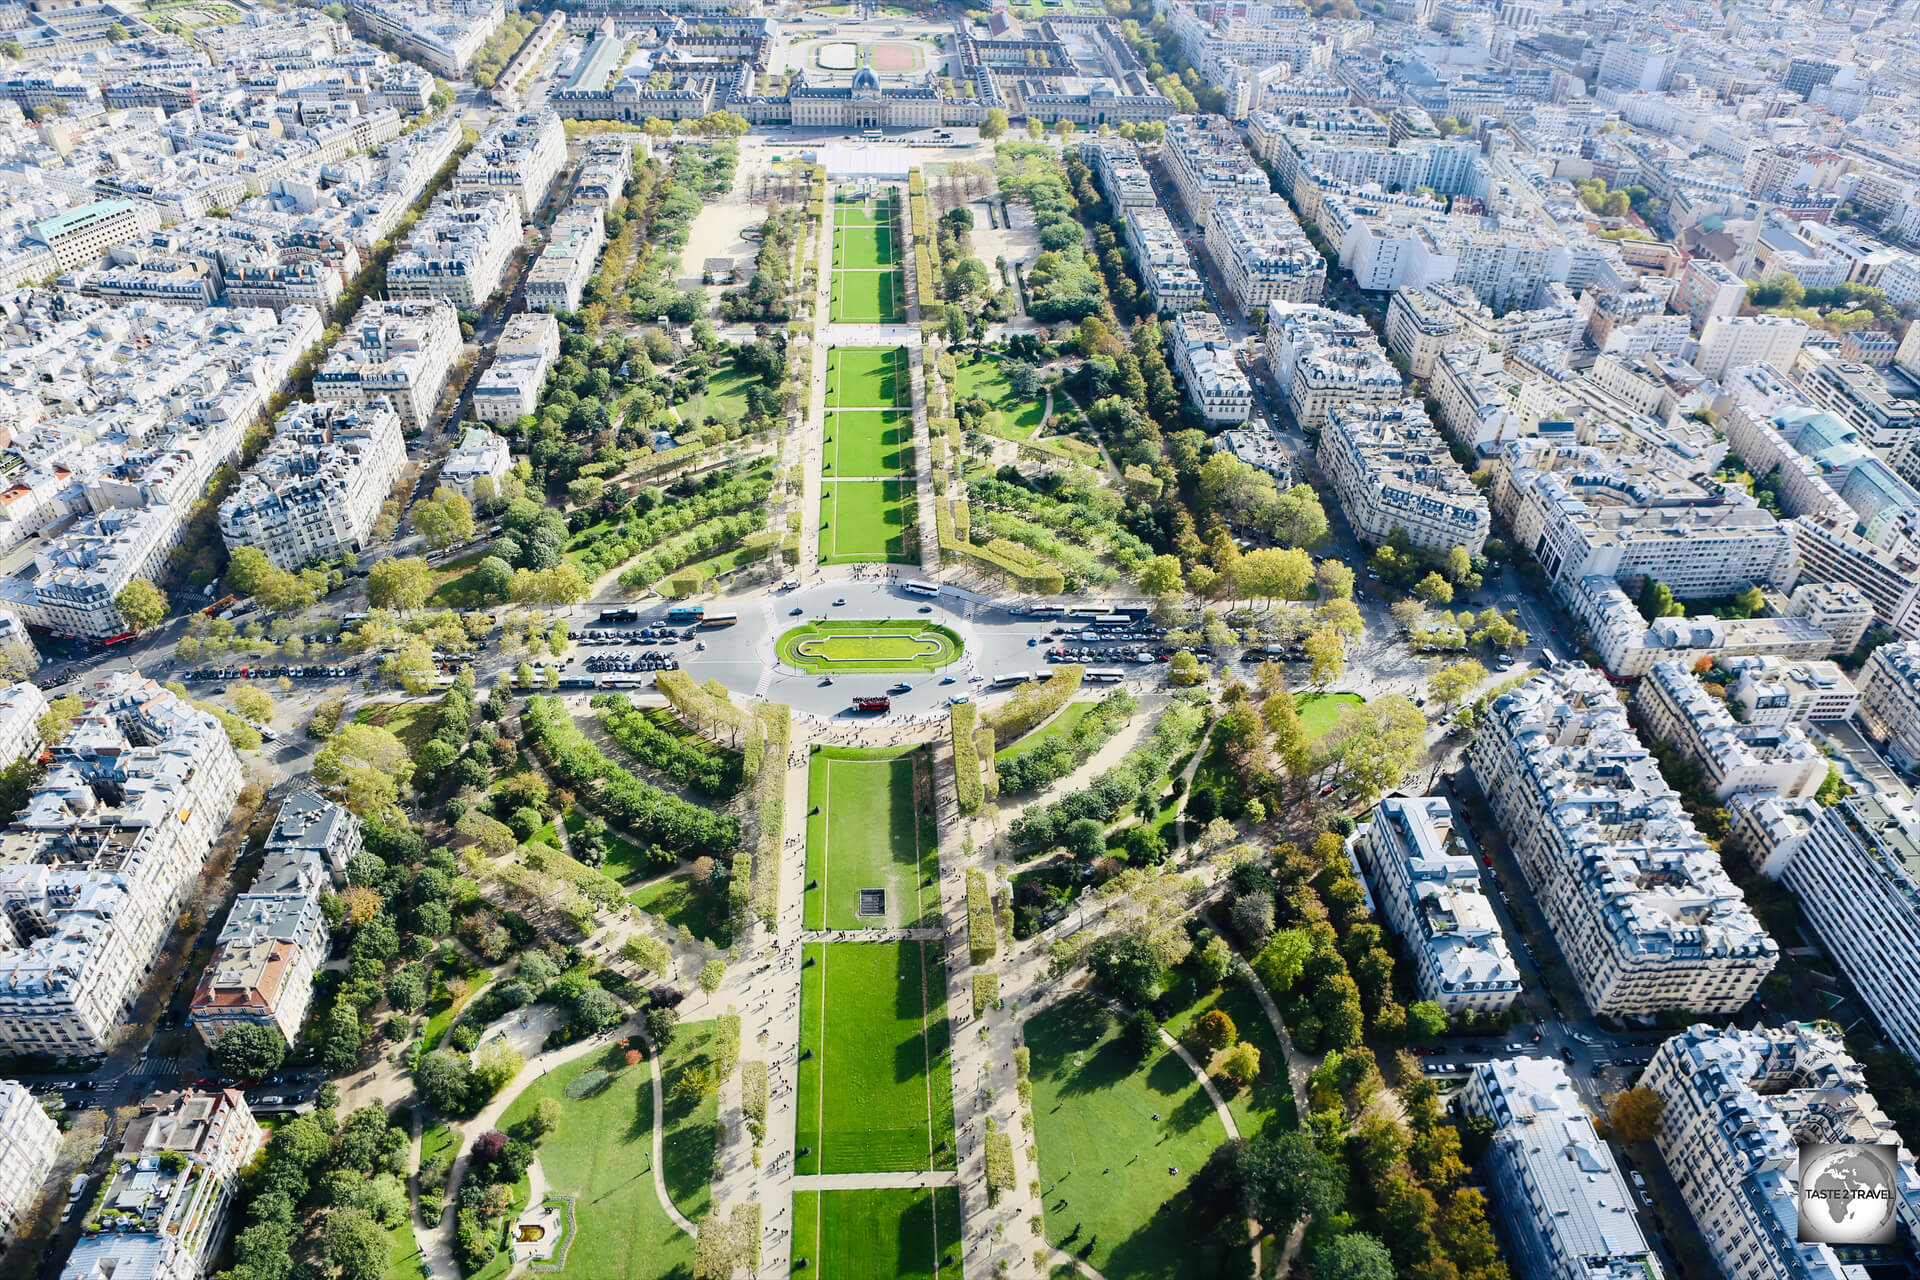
<point x="1108" y="655"/>
<point x="633" y="662"/>
<point x="271" y="673"/>
<point x="600" y="635"/>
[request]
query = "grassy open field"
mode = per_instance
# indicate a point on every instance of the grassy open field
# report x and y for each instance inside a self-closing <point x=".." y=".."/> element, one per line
<point x="874" y="443"/>
<point x="867" y="645"/>
<point x="1319" y="712"/>
<point x="690" y="1140"/>
<point x="411" y="722"/>
<point x="867" y="378"/>
<point x="980" y="376"/>
<point x="1070" y="715"/>
<point x="910" y="1233"/>
<point x="1114" y="1179"/>
<point x="876" y="1092"/>
<point x="602" y="1155"/>
<point x="725" y="397"/>
<point x="867" y="284"/>
<point x="866" y="520"/>
<point x="868" y="834"/>
<point x="1269" y="1099"/>
<point x="675" y="901"/>
<point x="626" y="862"/>
<point x="867" y="248"/>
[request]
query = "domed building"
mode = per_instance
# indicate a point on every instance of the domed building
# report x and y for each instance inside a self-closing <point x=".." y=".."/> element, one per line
<point x="866" y="103"/>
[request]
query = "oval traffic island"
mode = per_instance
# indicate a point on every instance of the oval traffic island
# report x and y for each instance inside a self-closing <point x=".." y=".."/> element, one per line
<point x="853" y="646"/>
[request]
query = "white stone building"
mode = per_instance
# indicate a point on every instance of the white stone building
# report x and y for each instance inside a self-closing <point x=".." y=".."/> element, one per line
<point x="29" y="1143"/>
<point x="557" y="280"/>
<point x="1733" y="757"/>
<point x="1429" y="889"/>
<point x="1204" y="359"/>
<point x="1773" y="690"/>
<point x="79" y="575"/>
<point x="1732" y="342"/>
<point x="1558" y="1196"/>
<point x="1391" y="471"/>
<point x="1262" y="254"/>
<point x="1738" y="1104"/>
<point x="518" y="157"/>
<point x="94" y="871"/>
<point x="317" y="490"/>
<point x="510" y="389"/>
<point x="480" y="455"/>
<point x="458" y="251"/>
<point x="1890" y="701"/>
<point x="21" y="706"/>
<point x="402" y="352"/>
<point x="1636" y="898"/>
<point x="1321" y="359"/>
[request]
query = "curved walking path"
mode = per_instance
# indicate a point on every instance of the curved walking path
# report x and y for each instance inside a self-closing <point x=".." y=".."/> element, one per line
<point x="1206" y="1082"/>
<point x="1061" y="1258"/>
<point x="660" y="1138"/>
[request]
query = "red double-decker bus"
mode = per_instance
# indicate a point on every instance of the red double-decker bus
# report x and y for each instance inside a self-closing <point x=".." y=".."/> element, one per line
<point x="873" y="704"/>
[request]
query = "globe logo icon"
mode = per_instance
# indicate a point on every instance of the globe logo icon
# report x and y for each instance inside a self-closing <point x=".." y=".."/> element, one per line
<point x="1847" y="1193"/>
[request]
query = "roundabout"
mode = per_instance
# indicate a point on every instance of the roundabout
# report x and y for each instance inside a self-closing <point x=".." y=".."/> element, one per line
<point x="865" y="646"/>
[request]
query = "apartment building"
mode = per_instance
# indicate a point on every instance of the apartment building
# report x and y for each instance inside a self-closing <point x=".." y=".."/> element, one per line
<point x="1837" y="608"/>
<point x="21" y="706"/>
<point x="1424" y="321"/>
<point x="94" y="871"/>
<point x="1205" y="361"/>
<point x="1172" y="282"/>
<point x="557" y="281"/>
<point x="1857" y="394"/>
<point x="1890" y="701"/>
<point x="480" y="456"/>
<point x="519" y="158"/>
<point x="1732" y="342"/>
<point x="1428" y="886"/>
<point x="1733" y="757"/>
<point x="1119" y="173"/>
<point x="1392" y="471"/>
<point x="1321" y="359"/>
<point x="509" y="390"/>
<point x="1204" y="157"/>
<point x="1258" y="446"/>
<point x="83" y="235"/>
<point x="170" y="1198"/>
<point x="317" y="490"/>
<point x="78" y="576"/>
<point x="1857" y="876"/>
<point x="275" y="938"/>
<point x="1636" y="898"/>
<point x="605" y="172"/>
<point x="1562" y="1205"/>
<point x="401" y="351"/>
<point x="457" y="251"/>
<point x="29" y="1144"/>
<point x="1262" y="254"/>
<point x="1706" y="289"/>
<point x="1831" y="550"/>
<point x="1738" y="1104"/>
<point x="1776" y="691"/>
<point x="443" y="34"/>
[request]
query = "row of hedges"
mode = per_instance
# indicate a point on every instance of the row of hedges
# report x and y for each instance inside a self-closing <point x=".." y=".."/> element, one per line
<point x="1033" y="704"/>
<point x="1136" y="779"/>
<point x="644" y="810"/>
<point x="689" y="762"/>
<point x="640" y="531"/>
<point x="1058" y="755"/>
<point x="961" y="719"/>
<point x="982" y="942"/>
<point x="771" y="795"/>
<point x="1022" y="568"/>
<point x="709" y="539"/>
<point x="709" y="708"/>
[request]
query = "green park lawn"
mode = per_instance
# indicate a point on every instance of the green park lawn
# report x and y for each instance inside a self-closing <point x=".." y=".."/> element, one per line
<point x="867" y="378"/>
<point x="878" y="1234"/>
<point x="867" y="297"/>
<point x="1092" y="1109"/>
<point x="725" y="397"/>
<point x="1319" y="712"/>
<point x="865" y="248"/>
<point x="457" y="582"/>
<point x="602" y="1155"/>
<point x="866" y="520"/>
<point x="689" y="1140"/>
<point x="872" y="443"/>
<point x="868" y="645"/>
<point x="876" y="1094"/>
<point x="675" y="901"/>
<point x="1269" y="1099"/>
<point x="411" y="722"/>
<point x="980" y="376"/>
<point x="867" y="835"/>
<point x="626" y="862"/>
<point x="403" y="1254"/>
<point x="1062" y="724"/>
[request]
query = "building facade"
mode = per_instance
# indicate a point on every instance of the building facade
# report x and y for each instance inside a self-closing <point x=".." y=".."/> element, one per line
<point x="317" y="490"/>
<point x="1393" y="472"/>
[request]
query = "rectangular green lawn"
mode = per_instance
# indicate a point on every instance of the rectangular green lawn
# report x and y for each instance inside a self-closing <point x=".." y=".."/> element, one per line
<point x="864" y="248"/>
<point x="980" y="376"/>
<point x="864" y="520"/>
<point x="871" y="443"/>
<point x="903" y="1233"/>
<point x="866" y="835"/>
<point x="876" y="1092"/>
<point x="1106" y="1164"/>
<point x="867" y="297"/>
<point x="602" y="1155"/>
<point x="867" y="378"/>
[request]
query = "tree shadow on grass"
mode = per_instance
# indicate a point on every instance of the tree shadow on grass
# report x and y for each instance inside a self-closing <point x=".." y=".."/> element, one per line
<point x="1180" y="1242"/>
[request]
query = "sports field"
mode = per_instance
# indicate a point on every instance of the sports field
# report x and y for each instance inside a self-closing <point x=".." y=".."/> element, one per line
<point x="868" y="443"/>
<point x="879" y="645"/>
<point x="866" y="831"/>
<point x="868" y="378"/>
<point x="862" y="521"/>
<point x="908" y="1233"/>
<point x="876" y="1087"/>
<point x="866" y="261"/>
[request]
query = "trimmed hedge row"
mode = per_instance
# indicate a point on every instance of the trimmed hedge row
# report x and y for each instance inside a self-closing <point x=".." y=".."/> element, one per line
<point x="1000" y="556"/>
<point x="1026" y="710"/>
<point x="961" y="719"/>
<point x="770" y="794"/>
<point x="688" y="762"/>
<point x="982" y="941"/>
<point x="710" y="709"/>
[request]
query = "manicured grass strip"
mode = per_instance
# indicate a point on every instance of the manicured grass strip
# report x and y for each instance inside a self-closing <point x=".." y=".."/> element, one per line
<point x="1319" y="712"/>
<point x="876" y="1093"/>
<point x="602" y="1155"/>
<point x="868" y="645"/>
<point x="626" y="861"/>
<point x="1105" y="1162"/>
<point x="865" y="835"/>
<point x="1059" y="726"/>
<point x="908" y="1233"/>
<point x="690" y="1139"/>
<point x="867" y="378"/>
<point x="865" y="248"/>
<point x="1269" y="1099"/>
<point x="980" y="376"/>
<point x="868" y="443"/>
<point x="866" y="520"/>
